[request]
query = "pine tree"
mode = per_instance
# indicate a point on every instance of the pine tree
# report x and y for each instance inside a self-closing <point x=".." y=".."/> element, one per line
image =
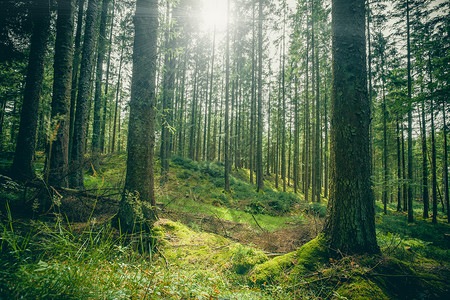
<point x="350" y="224"/>
<point x="59" y="146"/>
<point x="139" y="182"/>
<point x="23" y="167"/>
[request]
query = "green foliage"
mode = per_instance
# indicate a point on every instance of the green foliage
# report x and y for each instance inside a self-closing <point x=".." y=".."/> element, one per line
<point x="270" y="202"/>
<point x="317" y="209"/>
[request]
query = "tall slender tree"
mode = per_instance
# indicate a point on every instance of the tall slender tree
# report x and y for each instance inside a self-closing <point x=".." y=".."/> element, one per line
<point x="227" y="103"/>
<point x="98" y="97"/>
<point x="259" y="160"/>
<point x="59" y="146"/>
<point x="75" y="69"/>
<point x="76" y="178"/>
<point x="410" y="155"/>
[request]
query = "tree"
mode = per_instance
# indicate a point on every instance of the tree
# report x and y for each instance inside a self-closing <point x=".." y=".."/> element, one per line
<point x="22" y="167"/>
<point x="59" y="147"/>
<point x="75" y="69"/>
<point x="139" y="182"/>
<point x="410" y="167"/>
<point x="227" y="104"/>
<point x="259" y="162"/>
<point x="96" y="125"/>
<point x="350" y="223"/>
<point x="168" y="94"/>
<point x="76" y="178"/>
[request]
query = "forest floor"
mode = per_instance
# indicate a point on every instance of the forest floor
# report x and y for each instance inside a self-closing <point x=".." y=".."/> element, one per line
<point x="207" y="244"/>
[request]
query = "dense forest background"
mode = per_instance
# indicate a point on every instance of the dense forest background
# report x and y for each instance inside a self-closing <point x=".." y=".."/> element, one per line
<point x="241" y="92"/>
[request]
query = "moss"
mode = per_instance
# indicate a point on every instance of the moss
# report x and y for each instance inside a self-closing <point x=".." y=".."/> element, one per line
<point x="311" y="255"/>
<point x="244" y="258"/>
<point x="307" y="258"/>
<point x="274" y="269"/>
<point x="361" y="289"/>
<point x="186" y="248"/>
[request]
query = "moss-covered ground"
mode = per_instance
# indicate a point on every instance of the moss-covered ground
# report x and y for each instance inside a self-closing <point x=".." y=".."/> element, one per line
<point x="208" y="244"/>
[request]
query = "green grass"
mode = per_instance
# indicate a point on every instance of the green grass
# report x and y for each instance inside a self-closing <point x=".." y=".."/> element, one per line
<point x="55" y="259"/>
<point x="63" y="261"/>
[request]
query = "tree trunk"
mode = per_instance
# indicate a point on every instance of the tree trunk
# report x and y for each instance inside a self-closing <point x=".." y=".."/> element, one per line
<point x="96" y="125"/>
<point x="82" y="110"/>
<point x="75" y="69"/>
<point x="410" y="156"/>
<point x="296" y="136"/>
<point x="399" y="170"/>
<point x="253" y="97"/>
<point x="259" y="160"/>
<point x="116" y="108"/>
<point x="350" y="224"/>
<point x="22" y="167"/>
<point x="227" y="104"/>
<point x="425" y="197"/>
<point x="168" y="94"/>
<point x="404" y="184"/>
<point x="141" y="133"/>
<point x="209" y="148"/>
<point x="445" y="162"/>
<point x="59" y="146"/>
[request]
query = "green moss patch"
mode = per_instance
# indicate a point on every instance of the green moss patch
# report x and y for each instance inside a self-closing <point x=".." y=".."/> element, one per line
<point x="186" y="248"/>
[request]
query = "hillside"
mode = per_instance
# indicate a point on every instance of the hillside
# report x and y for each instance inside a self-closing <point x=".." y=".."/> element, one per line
<point x="207" y="245"/>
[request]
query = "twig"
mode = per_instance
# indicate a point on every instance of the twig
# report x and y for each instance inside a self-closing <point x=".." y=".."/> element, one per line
<point x="264" y="230"/>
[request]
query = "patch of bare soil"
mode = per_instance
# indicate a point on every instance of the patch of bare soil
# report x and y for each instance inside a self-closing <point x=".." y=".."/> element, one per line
<point x="279" y="241"/>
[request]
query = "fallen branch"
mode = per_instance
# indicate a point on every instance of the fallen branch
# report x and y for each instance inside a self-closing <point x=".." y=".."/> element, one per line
<point x="264" y="230"/>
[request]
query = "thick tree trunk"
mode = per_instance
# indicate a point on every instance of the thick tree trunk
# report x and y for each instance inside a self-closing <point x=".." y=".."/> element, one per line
<point x="59" y="146"/>
<point x="76" y="178"/>
<point x="350" y="223"/>
<point x="22" y="167"/>
<point x="141" y="133"/>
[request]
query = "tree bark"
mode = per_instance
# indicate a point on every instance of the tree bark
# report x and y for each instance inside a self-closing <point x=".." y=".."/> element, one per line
<point x="410" y="156"/>
<point x="259" y="160"/>
<point x="75" y="69"/>
<point x="76" y="178"/>
<point x="59" y="146"/>
<point x="22" y="167"/>
<point x="96" y="124"/>
<point x="227" y="104"/>
<point x="445" y="162"/>
<point x="350" y="223"/>
<point x="141" y="133"/>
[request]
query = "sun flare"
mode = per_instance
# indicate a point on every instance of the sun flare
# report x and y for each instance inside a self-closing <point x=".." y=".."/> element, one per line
<point x="214" y="14"/>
